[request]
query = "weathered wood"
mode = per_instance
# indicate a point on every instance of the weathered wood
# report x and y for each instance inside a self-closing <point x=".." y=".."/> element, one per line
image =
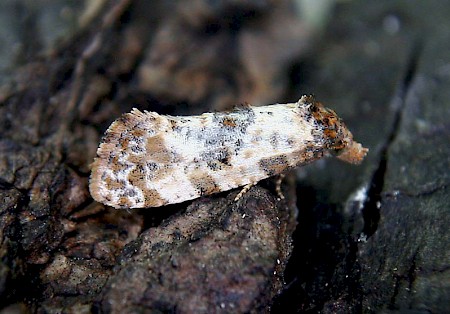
<point x="382" y="65"/>
<point x="52" y="115"/>
<point x="386" y="247"/>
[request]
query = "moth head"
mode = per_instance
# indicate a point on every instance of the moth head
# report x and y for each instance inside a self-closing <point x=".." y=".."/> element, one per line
<point x="338" y="138"/>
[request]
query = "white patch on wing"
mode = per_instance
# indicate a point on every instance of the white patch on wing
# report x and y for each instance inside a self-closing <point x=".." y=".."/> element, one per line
<point x="156" y="160"/>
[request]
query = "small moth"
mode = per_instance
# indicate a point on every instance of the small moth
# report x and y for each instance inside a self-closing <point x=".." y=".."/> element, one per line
<point x="149" y="160"/>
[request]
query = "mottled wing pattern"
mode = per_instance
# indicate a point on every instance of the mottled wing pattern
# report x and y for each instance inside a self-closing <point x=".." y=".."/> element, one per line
<point x="149" y="160"/>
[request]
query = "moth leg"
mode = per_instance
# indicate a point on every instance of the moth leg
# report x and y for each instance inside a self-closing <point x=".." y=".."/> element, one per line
<point x="244" y="190"/>
<point x="278" y="182"/>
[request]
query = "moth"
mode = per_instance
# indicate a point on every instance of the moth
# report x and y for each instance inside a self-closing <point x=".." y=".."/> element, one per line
<point x="150" y="160"/>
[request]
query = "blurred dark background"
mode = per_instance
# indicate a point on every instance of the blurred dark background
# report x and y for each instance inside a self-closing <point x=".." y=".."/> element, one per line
<point x="369" y="238"/>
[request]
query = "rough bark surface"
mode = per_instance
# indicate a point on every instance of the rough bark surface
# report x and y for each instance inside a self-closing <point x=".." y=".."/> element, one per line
<point x="219" y="255"/>
<point x="372" y="238"/>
